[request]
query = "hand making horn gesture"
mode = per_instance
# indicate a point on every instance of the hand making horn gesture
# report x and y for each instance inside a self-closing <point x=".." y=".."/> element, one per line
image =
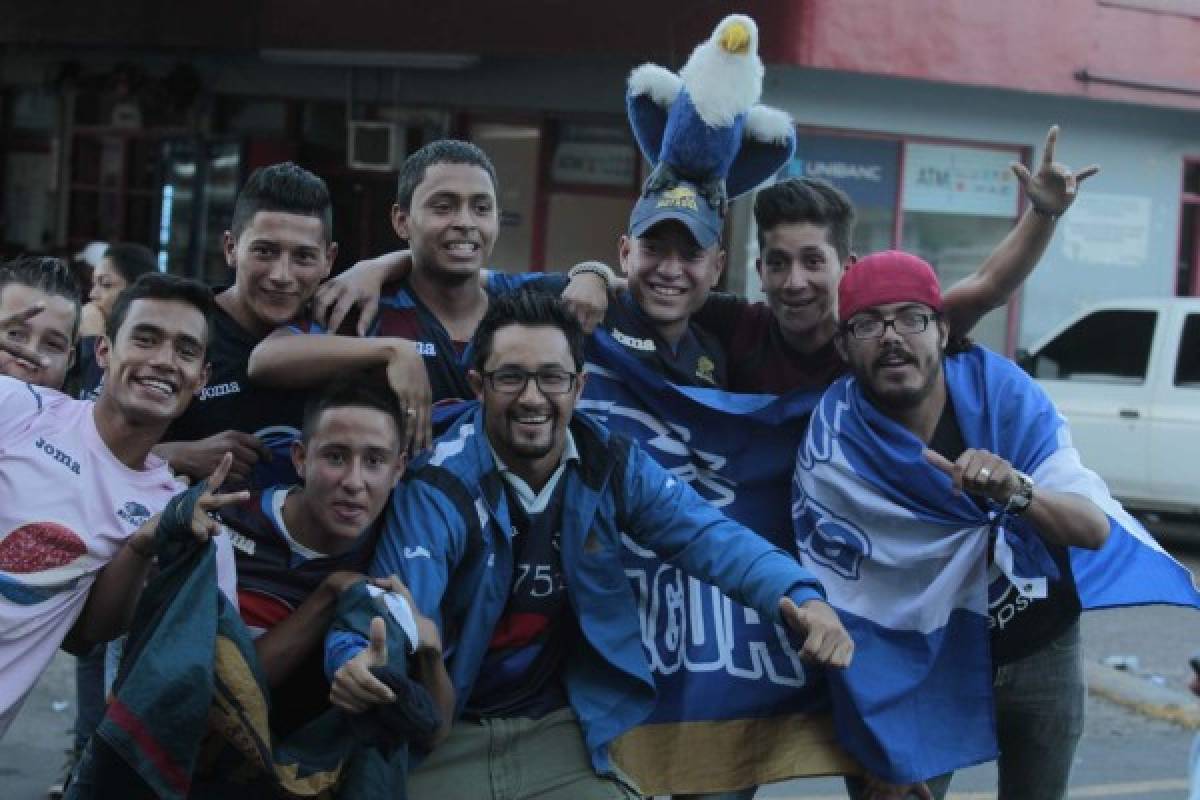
<point x="1052" y="190"/>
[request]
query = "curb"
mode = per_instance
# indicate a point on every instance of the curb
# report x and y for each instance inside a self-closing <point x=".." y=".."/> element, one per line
<point x="1135" y="693"/>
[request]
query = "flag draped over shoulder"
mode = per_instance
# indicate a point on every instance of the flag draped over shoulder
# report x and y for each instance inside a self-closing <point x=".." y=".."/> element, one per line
<point x="189" y="717"/>
<point x="905" y="561"/>
<point x="736" y="708"/>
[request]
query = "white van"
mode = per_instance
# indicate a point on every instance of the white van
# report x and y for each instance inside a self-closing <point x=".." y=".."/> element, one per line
<point x="1126" y="374"/>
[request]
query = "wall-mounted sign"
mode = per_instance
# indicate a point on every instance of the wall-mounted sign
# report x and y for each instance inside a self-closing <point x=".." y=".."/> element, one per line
<point x="865" y="169"/>
<point x="594" y="163"/>
<point x="1107" y="229"/>
<point x="959" y="180"/>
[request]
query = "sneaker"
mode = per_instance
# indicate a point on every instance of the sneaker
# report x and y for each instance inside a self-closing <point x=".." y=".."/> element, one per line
<point x="56" y="790"/>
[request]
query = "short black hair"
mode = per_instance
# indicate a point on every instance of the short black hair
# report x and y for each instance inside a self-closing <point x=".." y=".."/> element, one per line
<point x="807" y="200"/>
<point x="131" y="260"/>
<point x="530" y="308"/>
<point x="50" y="275"/>
<point x="285" y="187"/>
<point x="160" y="286"/>
<point x="442" y="151"/>
<point x="357" y="392"/>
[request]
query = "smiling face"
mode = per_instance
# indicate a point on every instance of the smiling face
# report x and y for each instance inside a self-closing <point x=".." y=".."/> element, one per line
<point x="107" y="283"/>
<point x="50" y="334"/>
<point x="452" y="223"/>
<point x="157" y="362"/>
<point x="278" y="259"/>
<point x="670" y="275"/>
<point x="799" y="269"/>
<point x="897" y="371"/>
<point x="349" y="465"/>
<point x="528" y="429"/>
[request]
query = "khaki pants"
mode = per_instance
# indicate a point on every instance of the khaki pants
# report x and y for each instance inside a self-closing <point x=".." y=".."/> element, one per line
<point x="515" y="759"/>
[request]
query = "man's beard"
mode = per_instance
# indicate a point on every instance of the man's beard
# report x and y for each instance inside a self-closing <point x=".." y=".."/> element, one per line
<point x="905" y="399"/>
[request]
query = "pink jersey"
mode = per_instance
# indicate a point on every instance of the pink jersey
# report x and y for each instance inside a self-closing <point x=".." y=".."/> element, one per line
<point x="66" y="507"/>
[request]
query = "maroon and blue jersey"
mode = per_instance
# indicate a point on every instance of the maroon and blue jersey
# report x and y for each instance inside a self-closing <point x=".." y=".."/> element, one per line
<point x="760" y="360"/>
<point x="521" y="674"/>
<point x="402" y="314"/>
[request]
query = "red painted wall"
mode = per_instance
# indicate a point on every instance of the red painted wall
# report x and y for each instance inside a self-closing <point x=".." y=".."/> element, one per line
<point x="1034" y="45"/>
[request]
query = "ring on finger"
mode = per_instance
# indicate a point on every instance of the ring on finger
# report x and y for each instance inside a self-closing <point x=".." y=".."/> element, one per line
<point x="984" y="474"/>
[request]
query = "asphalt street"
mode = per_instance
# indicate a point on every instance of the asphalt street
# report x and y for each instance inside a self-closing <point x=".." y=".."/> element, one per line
<point x="1123" y="754"/>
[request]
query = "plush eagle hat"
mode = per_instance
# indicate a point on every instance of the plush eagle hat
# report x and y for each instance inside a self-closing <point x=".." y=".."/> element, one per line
<point x="705" y="125"/>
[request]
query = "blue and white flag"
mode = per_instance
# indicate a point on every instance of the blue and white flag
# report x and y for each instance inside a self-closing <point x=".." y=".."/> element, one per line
<point x="736" y="707"/>
<point x="905" y="561"/>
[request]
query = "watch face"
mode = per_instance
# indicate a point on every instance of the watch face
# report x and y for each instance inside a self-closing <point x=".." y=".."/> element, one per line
<point x="1022" y="497"/>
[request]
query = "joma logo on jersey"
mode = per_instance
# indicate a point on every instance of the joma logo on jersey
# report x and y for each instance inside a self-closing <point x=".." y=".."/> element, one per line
<point x="61" y="456"/>
<point x="633" y="342"/>
<point x="220" y="390"/>
<point x="426" y="349"/>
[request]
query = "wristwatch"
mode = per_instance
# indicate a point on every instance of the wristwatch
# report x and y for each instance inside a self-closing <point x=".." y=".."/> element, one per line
<point x="1022" y="496"/>
<point x="1045" y="212"/>
<point x="598" y="268"/>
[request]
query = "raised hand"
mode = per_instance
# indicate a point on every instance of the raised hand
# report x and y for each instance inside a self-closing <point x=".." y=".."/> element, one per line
<point x="1053" y="188"/>
<point x="204" y="525"/>
<point x="826" y="642"/>
<point x="354" y="688"/>
<point x="16" y="349"/>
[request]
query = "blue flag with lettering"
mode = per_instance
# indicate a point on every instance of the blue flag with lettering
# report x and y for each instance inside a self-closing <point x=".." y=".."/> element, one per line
<point x="736" y="707"/>
<point x="905" y="561"/>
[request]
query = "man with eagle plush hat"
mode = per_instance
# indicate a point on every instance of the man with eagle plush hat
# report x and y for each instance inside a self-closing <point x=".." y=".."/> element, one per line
<point x="708" y="141"/>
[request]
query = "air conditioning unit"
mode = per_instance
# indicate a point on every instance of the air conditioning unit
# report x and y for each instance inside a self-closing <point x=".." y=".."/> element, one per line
<point x="374" y="145"/>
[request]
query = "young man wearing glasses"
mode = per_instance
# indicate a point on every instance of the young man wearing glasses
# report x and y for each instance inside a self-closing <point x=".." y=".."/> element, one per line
<point x="508" y="535"/>
<point x="897" y="346"/>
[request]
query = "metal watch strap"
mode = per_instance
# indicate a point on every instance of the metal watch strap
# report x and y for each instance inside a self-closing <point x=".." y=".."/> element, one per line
<point x="1045" y="212"/>
<point x="1020" y="499"/>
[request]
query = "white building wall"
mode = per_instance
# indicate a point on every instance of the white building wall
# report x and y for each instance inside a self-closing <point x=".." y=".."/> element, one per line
<point x="1140" y="150"/>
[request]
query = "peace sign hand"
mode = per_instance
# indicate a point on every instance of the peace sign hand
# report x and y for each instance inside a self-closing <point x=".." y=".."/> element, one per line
<point x="204" y="525"/>
<point x="1053" y="188"/>
<point x="15" y="349"/>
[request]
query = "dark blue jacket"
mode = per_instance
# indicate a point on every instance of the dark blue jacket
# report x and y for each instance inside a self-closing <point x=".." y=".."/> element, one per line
<point x="447" y="536"/>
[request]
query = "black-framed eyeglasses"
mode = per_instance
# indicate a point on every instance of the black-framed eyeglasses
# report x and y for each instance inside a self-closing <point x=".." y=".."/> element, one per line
<point x="511" y="380"/>
<point x="906" y="323"/>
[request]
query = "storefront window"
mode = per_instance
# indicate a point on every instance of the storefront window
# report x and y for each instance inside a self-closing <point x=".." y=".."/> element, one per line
<point x="958" y="204"/>
<point x="949" y="204"/>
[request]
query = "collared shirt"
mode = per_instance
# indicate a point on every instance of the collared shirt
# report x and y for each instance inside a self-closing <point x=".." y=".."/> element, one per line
<point x="535" y="502"/>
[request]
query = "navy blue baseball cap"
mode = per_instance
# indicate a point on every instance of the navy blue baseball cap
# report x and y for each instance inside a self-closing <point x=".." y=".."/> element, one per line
<point x="683" y="203"/>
